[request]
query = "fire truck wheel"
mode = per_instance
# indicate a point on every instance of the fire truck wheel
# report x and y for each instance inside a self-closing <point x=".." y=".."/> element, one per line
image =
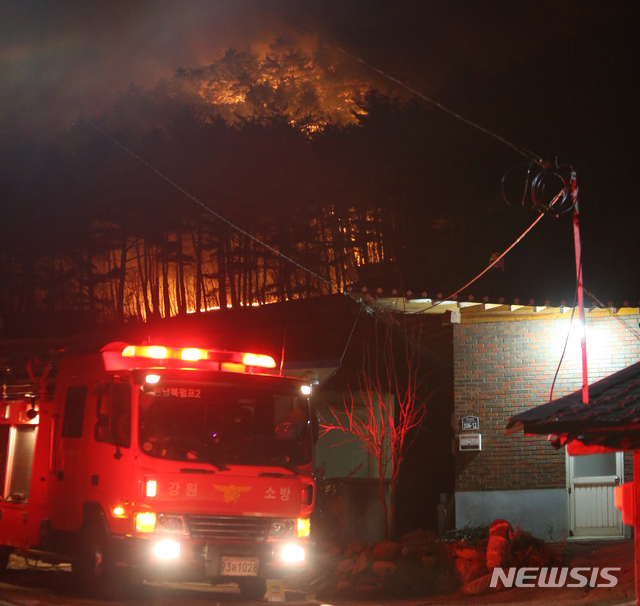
<point x="252" y="588"/>
<point x="5" y="554"/>
<point x="93" y="567"/>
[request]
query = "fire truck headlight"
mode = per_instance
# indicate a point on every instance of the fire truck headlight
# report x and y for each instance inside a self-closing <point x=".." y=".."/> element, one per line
<point x="280" y="528"/>
<point x="293" y="554"/>
<point x="304" y="527"/>
<point x="166" y="550"/>
<point x="172" y="524"/>
<point x="145" y="521"/>
<point x="306" y="389"/>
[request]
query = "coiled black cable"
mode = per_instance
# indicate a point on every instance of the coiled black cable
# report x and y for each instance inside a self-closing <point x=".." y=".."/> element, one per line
<point x="547" y="189"/>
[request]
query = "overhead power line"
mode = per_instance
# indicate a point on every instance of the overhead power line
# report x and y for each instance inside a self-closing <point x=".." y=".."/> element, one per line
<point x="276" y="251"/>
<point x="635" y="333"/>
<point x="218" y="215"/>
<point x="518" y="148"/>
<point x="484" y="271"/>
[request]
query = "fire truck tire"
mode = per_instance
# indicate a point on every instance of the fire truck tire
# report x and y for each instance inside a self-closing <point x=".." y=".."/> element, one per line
<point x="93" y="567"/>
<point x="252" y="588"/>
<point x="5" y="554"/>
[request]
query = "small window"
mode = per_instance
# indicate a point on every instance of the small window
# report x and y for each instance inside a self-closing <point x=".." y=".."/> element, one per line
<point x="4" y="455"/>
<point x="24" y="442"/>
<point x="113" y="424"/>
<point x="74" y="412"/>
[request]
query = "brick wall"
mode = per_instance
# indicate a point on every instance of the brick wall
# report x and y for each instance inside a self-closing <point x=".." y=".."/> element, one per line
<point x="505" y="367"/>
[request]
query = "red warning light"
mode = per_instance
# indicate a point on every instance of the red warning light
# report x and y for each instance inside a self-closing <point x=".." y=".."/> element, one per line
<point x="258" y="360"/>
<point x="159" y="353"/>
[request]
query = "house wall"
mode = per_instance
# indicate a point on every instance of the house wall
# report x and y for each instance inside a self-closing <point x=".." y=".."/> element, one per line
<point x="503" y="368"/>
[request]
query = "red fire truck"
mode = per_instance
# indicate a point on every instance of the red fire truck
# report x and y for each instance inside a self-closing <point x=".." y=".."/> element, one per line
<point x="159" y="463"/>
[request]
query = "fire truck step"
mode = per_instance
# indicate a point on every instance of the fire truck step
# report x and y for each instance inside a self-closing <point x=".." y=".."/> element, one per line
<point x="44" y="556"/>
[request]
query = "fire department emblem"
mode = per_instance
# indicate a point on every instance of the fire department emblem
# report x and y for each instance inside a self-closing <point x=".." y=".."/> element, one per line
<point x="232" y="493"/>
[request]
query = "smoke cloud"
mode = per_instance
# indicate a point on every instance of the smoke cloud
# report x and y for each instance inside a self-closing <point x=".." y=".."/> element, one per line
<point x="60" y="60"/>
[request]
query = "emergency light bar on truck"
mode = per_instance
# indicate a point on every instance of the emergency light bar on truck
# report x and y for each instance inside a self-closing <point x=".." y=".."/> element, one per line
<point x="120" y="356"/>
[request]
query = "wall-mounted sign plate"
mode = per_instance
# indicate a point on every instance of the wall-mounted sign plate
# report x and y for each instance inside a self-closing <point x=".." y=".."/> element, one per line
<point x="470" y="441"/>
<point x="470" y="424"/>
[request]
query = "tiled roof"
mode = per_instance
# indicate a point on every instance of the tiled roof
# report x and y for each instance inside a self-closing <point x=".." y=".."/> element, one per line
<point x="472" y="311"/>
<point x="419" y="297"/>
<point x="611" y="418"/>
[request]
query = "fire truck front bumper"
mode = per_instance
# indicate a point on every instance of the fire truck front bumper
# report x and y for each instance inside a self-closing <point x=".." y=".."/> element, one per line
<point x="185" y="559"/>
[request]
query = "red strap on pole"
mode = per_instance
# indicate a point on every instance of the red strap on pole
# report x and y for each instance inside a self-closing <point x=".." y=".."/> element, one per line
<point x="636" y="529"/>
<point x="580" y="286"/>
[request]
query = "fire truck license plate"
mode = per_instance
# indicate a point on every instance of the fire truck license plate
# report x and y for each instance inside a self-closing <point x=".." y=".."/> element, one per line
<point x="238" y="567"/>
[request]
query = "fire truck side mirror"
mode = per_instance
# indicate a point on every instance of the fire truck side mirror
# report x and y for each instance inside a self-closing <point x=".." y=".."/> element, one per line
<point x="32" y="413"/>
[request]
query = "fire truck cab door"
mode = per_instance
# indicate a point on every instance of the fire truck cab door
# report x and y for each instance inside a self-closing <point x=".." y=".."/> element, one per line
<point x="93" y="461"/>
<point x="110" y="461"/>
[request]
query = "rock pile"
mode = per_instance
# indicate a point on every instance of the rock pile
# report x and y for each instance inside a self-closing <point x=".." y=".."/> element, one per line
<point x="417" y="565"/>
<point x="503" y="548"/>
<point x="422" y="565"/>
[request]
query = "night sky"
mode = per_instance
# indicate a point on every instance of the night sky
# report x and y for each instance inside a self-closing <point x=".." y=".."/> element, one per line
<point x="553" y="76"/>
<point x="60" y="59"/>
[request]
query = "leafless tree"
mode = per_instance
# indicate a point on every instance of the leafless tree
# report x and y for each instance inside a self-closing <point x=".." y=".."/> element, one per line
<point x="389" y="406"/>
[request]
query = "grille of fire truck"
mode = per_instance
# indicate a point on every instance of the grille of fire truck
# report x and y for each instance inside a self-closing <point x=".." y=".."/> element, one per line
<point x="228" y="528"/>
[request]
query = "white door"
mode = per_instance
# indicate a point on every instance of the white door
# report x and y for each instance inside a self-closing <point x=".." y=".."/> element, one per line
<point x="592" y="478"/>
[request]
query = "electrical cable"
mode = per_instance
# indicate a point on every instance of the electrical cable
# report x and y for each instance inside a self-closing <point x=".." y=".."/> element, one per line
<point x="566" y="341"/>
<point x="561" y="195"/>
<point x="538" y="185"/>
<point x="530" y="165"/>
<point x="603" y="306"/>
<point x="570" y="188"/>
<point x="350" y="335"/>
<point x="484" y="271"/>
<point x="521" y="150"/>
<point x="344" y="352"/>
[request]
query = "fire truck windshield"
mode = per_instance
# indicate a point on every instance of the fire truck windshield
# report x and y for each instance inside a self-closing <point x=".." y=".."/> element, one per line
<point x="225" y="426"/>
